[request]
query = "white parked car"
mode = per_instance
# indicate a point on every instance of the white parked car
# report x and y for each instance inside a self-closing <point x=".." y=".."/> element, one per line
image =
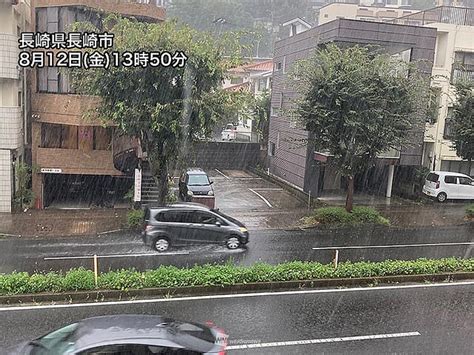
<point x="444" y="185"/>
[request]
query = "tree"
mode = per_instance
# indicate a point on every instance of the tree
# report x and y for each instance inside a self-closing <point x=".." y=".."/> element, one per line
<point x="358" y="103"/>
<point x="463" y="121"/>
<point x="166" y="108"/>
<point x="262" y="107"/>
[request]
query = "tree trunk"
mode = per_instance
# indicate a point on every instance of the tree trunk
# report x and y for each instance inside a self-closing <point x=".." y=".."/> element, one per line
<point x="159" y="171"/>
<point x="350" y="193"/>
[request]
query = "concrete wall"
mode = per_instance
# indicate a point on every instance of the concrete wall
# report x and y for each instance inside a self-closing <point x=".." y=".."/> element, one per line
<point x="224" y="155"/>
<point x="5" y="181"/>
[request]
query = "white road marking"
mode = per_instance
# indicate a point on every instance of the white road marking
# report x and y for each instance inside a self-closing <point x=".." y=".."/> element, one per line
<point x="224" y="175"/>
<point x="320" y="341"/>
<point x="263" y="198"/>
<point x="267" y="189"/>
<point x="112" y="256"/>
<point x="238" y="295"/>
<point x="392" y="246"/>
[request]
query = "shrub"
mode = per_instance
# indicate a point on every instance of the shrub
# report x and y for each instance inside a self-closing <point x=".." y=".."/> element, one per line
<point x="135" y="218"/>
<point x="470" y="210"/>
<point x="78" y="279"/>
<point x="339" y="216"/>
<point x="222" y="275"/>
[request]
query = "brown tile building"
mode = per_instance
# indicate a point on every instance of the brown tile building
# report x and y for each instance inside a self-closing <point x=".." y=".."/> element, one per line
<point x="74" y="155"/>
<point x="293" y="161"/>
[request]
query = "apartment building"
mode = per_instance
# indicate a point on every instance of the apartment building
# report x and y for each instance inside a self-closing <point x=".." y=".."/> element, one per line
<point x="298" y="164"/>
<point x="454" y="59"/>
<point x="76" y="158"/>
<point x="15" y="17"/>
<point x="374" y="12"/>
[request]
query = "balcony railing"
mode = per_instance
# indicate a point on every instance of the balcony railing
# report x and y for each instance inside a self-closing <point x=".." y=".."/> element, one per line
<point x="442" y="14"/>
<point x="9" y="56"/>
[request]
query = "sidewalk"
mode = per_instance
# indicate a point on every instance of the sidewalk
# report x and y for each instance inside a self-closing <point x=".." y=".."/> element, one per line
<point x="58" y="223"/>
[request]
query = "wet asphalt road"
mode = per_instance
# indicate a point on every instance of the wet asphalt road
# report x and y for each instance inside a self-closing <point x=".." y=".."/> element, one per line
<point x="271" y="246"/>
<point x="424" y="319"/>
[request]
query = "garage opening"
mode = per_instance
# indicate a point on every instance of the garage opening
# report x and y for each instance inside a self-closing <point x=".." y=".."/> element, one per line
<point x="85" y="191"/>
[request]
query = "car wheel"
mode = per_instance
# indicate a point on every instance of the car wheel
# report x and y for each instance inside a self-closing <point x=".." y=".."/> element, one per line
<point x="161" y="244"/>
<point x="233" y="242"/>
<point x="442" y="197"/>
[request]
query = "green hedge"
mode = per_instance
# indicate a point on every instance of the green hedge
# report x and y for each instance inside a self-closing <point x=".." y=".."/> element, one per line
<point x="470" y="210"/>
<point x="220" y="275"/>
<point x="339" y="216"/>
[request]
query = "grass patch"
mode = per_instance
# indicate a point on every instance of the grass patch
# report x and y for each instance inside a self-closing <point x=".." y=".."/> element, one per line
<point x="340" y="217"/>
<point x="470" y="210"/>
<point x="220" y="275"/>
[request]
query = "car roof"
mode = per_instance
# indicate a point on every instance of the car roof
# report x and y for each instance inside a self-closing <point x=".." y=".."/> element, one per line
<point x="180" y="205"/>
<point x="449" y="173"/>
<point x="192" y="171"/>
<point x="149" y="329"/>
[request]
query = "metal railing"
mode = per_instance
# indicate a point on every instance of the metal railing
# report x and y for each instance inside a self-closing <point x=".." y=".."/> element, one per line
<point x="442" y="14"/>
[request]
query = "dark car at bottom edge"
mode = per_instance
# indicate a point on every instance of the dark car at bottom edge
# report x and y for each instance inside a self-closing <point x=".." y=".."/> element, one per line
<point x="128" y="335"/>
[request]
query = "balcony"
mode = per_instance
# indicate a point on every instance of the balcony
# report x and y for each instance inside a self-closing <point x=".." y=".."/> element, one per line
<point x="9" y="53"/>
<point x="10" y="127"/>
<point x="138" y="8"/>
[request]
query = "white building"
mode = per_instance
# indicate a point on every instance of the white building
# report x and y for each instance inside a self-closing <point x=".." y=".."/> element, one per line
<point x="14" y="19"/>
<point x="454" y="58"/>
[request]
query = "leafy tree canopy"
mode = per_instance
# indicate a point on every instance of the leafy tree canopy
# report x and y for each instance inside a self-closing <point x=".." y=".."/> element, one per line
<point x="167" y="108"/>
<point x="358" y="103"/>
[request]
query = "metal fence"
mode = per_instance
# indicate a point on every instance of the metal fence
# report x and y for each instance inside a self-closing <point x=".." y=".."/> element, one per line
<point x="442" y="14"/>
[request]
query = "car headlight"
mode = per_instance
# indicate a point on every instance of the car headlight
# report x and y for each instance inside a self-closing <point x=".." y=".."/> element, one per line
<point x="243" y="230"/>
<point x="190" y="193"/>
<point x="211" y="193"/>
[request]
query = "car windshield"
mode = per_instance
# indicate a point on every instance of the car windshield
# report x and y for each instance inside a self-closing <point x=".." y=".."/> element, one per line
<point x="198" y="180"/>
<point x="58" y="342"/>
<point x="268" y="166"/>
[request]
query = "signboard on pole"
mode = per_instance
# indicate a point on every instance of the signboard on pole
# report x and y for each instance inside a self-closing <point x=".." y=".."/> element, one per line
<point x="138" y="186"/>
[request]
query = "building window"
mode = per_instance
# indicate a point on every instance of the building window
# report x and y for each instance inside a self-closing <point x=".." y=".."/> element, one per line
<point x="102" y="138"/>
<point x="58" y="136"/>
<point x="448" y="127"/>
<point x="463" y="67"/>
<point x="236" y="80"/>
<point x="271" y="149"/>
<point x="278" y="66"/>
<point x="53" y="80"/>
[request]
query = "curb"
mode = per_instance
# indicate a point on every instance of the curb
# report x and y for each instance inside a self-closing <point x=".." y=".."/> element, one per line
<point x="117" y="295"/>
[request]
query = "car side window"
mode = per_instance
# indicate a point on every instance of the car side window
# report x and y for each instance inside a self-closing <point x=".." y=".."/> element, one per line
<point x="174" y="217"/>
<point x="204" y="218"/>
<point x="465" y="181"/>
<point x="450" y="179"/>
<point x="127" y="349"/>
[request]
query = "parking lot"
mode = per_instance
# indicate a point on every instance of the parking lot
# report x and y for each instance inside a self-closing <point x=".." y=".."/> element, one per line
<point x="259" y="204"/>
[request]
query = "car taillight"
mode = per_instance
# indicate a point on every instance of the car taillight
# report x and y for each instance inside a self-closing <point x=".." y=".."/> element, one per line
<point x="437" y="184"/>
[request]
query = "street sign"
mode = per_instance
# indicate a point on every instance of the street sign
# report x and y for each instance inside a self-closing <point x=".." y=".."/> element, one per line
<point x="138" y="186"/>
<point x="51" y="171"/>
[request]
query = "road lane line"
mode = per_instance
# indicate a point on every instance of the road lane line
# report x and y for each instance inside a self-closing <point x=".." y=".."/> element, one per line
<point x="263" y="198"/>
<point x="238" y="295"/>
<point x="392" y="246"/>
<point x="224" y="175"/>
<point x="267" y="189"/>
<point x="320" y="341"/>
<point x="112" y="256"/>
